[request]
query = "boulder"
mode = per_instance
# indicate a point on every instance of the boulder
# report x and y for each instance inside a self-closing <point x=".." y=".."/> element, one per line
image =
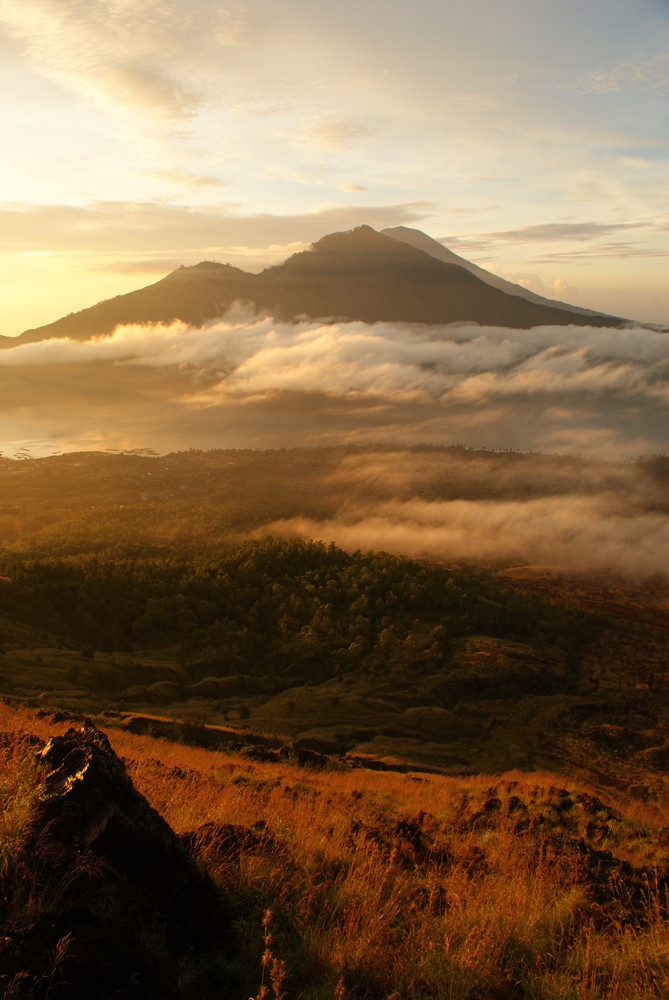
<point x="122" y="898"/>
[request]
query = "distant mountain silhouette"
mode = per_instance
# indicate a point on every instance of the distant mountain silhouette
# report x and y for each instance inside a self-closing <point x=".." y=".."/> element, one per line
<point x="356" y="275"/>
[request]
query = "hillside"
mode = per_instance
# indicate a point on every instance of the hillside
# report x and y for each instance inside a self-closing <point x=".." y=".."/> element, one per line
<point x="320" y="884"/>
<point x="146" y="587"/>
<point x="299" y="770"/>
<point x="415" y="238"/>
<point x="358" y="275"/>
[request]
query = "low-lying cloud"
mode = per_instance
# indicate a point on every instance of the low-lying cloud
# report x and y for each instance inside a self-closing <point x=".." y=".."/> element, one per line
<point x="566" y="534"/>
<point x="251" y="382"/>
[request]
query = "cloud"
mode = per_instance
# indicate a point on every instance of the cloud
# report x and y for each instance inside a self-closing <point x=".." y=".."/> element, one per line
<point x="351" y="188"/>
<point x="185" y="183"/>
<point x="331" y="131"/>
<point x="138" y="55"/>
<point x="247" y="381"/>
<point x="564" y="291"/>
<point x="143" y="227"/>
<point x="550" y="232"/>
<point x="602" y="392"/>
<point x="590" y="239"/>
<point x="572" y="533"/>
<point x="648" y="74"/>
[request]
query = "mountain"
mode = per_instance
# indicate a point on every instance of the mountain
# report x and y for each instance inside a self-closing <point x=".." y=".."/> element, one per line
<point x="419" y="240"/>
<point x="357" y="275"/>
<point x="192" y="294"/>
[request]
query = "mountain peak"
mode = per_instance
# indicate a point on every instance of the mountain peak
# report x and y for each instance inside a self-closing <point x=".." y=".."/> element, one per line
<point x="355" y="249"/>
<point x="399" y="275"/>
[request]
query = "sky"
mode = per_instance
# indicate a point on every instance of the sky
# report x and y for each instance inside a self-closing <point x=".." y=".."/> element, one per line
<point x="530" y="137"/>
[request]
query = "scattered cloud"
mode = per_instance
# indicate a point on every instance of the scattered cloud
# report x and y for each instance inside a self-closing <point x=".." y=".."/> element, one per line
<point x="142" y="227"/>
<point x="647" y="73"/>
<point x="185" y="182"/>
<point x="571" y="533"/>
<point x="479" y="101"/>
<point x="351" y="188"/>
<point x="589" y="240"/>
<point x="122" y="55"/>
<point x="556" y="231"/>
<point x="623" y="251"/>
<point x="331" y="131"/>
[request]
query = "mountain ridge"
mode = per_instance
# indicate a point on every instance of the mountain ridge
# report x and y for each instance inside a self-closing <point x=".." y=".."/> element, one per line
<point x="356" y="275"/>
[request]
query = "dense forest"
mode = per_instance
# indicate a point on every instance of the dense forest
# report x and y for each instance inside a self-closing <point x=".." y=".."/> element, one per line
<point x="451" y="668"/>
<point x="286" y="607"/>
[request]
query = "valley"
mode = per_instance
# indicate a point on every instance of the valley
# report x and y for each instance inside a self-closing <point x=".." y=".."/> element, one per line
<point x="172" y="592"/>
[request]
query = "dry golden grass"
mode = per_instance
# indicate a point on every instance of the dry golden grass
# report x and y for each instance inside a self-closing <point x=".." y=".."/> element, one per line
<point x="402" y="885"/>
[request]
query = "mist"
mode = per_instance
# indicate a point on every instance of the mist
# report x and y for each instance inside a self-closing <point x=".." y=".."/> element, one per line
<point x="250" y="382"/>
<point x="562" y="515"/>
<point x="560" y="534"/>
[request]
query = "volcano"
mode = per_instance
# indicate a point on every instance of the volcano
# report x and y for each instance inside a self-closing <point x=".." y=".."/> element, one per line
<point x="400" y="275"/>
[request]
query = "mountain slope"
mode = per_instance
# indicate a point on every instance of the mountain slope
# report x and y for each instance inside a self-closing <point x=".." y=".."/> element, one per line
<point x="358" y="275"/>
<point x="191" y="294"/>
<point x="419" y="240"/>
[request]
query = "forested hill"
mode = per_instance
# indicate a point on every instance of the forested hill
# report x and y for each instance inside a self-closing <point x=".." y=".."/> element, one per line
<point x="352" y="654"/>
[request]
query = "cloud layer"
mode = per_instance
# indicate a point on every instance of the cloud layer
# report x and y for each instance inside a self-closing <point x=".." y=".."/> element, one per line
<point x="136" y="54"/>
<point x="246" y="381"/>
<point x="250" y="382"/>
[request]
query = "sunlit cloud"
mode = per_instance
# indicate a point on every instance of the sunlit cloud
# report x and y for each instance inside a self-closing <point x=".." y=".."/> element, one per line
<point x="184" y="182"/>
<point x="143" y="226"/>
<point x="573" y="533"/>
<point x="595" y="391"/>
<point x="130" y="56"/>
<point x="563" y="290"/>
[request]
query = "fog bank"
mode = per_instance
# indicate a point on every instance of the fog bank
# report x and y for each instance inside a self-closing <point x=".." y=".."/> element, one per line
<point x="249" y="382"/>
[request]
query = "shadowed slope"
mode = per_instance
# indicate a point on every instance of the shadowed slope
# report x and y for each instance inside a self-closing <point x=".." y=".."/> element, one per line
<point x="191" y="294"/>
<point x="364" y="275"/>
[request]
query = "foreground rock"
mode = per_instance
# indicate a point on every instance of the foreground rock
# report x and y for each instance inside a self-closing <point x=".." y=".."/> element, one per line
<point x="120" y="902"/>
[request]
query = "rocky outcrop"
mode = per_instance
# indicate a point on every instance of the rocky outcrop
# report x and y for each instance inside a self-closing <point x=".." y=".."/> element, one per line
<point x="121" y="899"/>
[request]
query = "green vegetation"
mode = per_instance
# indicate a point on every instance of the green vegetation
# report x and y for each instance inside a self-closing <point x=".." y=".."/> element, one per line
<point x="360" y="654"/>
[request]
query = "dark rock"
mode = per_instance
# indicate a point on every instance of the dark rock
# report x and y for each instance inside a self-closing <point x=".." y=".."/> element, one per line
<point x="491" y="809"/>
<point x="90" y="804"/>
<point x="261" y="754"/>
<point x="122" y="898"/>
<point x="304" y="756"/>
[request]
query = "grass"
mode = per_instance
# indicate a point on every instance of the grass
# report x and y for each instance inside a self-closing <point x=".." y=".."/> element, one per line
<point x="358" y="884"/>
